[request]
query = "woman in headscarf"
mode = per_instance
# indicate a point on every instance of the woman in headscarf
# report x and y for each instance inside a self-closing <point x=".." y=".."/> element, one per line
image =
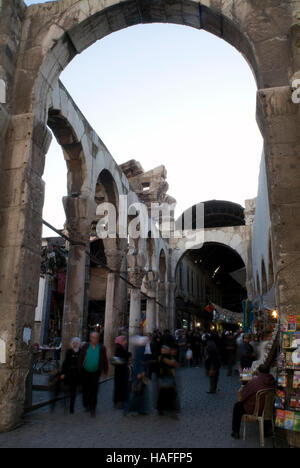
<point x="70" y="373"/>
<point x="138" y="402"/>
<point x="120" y="361"/>
<point x="167" y="389"/>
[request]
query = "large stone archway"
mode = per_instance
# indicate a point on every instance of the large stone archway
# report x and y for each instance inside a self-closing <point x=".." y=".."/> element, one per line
<point x="214" y="272"/>
<point x="45" y="40"/>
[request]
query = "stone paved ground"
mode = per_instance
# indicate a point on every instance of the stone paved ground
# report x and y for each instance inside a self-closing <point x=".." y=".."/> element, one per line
<point x="205" y="421"/>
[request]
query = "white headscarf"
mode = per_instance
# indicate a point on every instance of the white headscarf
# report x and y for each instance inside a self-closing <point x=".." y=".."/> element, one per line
<point x="76" y="344"/>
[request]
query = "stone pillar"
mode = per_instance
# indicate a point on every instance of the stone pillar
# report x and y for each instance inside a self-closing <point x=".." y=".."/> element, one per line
<point x="150" y="286"/>
<point x="151" y="313"/>
<point x="21" y="205"/>
<point x="116" y="300"/>
<point x="136" y="263"/>
<point x="79" y="215"/>
<point x="172" y="305"/>
<point x="161" y="309"/>
<point x="135" y="312"/>
<point x="279" y="121"/>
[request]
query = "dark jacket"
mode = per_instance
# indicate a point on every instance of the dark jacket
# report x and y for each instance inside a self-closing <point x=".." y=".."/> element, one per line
<point x="261" y="382"/>
<point x="154" y="350"/>
<point x="121" y="390"/>
<point x="122" y="353"/>
<point x="103" y="361"/>
<point x="70" y="365"/>
<point x="230" y="343"/>
<point x="213" y="360"/>
<point x="246" y="354"/>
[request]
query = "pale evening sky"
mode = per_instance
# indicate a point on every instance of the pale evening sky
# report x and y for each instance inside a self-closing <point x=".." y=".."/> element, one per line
<point x="172" y="95"/>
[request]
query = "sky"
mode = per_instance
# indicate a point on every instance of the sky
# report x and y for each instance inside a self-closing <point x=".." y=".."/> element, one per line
<point x="171" y="95"/>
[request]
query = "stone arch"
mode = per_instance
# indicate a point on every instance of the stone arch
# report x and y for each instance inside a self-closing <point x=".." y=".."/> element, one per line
<point x="52" y="35"/>
<point x="150" y="253"/>
<point x="163" y="274"/>
<point x="207" y="261"/>
<point x="106" y="189"/>
<point x="75" y="27"/>
<point x="89" y="156"/>
<point x="106" y="192"/>
<point x="180" y="277"/>
<point x="232" y="237"/>
<point x="72" y="150"/>
<point x="58" y="31"/>
<point x="67" y="127"/>
<point x="181" y="254"/>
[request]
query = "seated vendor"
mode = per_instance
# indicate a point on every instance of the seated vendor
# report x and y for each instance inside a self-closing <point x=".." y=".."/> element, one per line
<point x="263" y="381"/>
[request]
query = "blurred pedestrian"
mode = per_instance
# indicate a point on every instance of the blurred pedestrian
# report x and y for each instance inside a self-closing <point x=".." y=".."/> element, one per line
<point x="167" y="390"/>
<point x="230" y="347"/>
<point x="167" y="339"/>
<point x="246" y="353"/>
<point x="139" y="398"/>
<point x="92" y="364"/>
<point x="70" y="374"/>
<point x="182" y="342"/>
<point x="120" y="362"/>
<point x="151" y="356"/>
<point x="213" y="364"/>
<point x="189" y="355"/>
<point x="196" y="348"/>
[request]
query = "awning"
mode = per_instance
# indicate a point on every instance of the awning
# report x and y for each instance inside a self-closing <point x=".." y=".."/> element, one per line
<point x="224" y="315"/>
<point x="269" y="299"/>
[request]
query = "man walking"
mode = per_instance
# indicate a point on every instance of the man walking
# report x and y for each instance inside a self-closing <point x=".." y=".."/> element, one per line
<point x="92" y="364"/>
<point x="246" y="353"/>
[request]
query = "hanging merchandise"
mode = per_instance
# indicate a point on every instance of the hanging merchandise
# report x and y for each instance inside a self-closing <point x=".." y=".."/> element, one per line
<point x="287" y="402"/>
<point x="248" y="315"/>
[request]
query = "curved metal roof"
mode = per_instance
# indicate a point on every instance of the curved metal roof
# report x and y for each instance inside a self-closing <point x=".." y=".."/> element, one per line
<point x="217" y="213"/>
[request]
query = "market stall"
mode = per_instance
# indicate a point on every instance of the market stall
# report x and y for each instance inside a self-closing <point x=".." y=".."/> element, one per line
<point x="288" y="381"/>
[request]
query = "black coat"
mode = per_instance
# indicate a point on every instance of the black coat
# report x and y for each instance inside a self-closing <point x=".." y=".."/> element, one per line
<point x="121" y="392"/>
<point x="70" y="367"/>
<point x="213" y="361"/>
<point x="246" y="354"/>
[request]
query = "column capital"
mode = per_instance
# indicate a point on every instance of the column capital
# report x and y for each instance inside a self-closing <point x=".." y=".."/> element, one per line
<point x="150" y="283"/>
<point x="136" y="267"/>
<point x="277" y="116"/>
<point x="114" y="259"/>
<point x="79" y="213"/>
<point x="273" y="102"/>
<point x="136" y="276"/>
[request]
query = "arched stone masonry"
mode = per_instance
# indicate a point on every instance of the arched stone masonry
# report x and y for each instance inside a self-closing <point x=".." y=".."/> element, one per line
<point x="42" y="40"/>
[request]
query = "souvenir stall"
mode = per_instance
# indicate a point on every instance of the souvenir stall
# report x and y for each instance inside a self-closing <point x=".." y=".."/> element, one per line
<point x="261" y="315"/>
<point x="288" y="381"/>
<point x="268" y="352"/>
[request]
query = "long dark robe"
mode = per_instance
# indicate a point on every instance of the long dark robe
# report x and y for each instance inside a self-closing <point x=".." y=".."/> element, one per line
<point x="121" y="391"/>
<point x="138" y="402"/>
<point x="167" y="396"/>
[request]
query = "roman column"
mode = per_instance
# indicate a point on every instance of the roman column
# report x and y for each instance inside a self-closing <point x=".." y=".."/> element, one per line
<point x="79" y="212"/>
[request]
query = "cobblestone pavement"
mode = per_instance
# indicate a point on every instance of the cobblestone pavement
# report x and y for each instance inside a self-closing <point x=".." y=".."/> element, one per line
<point x="205" y="421"/>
